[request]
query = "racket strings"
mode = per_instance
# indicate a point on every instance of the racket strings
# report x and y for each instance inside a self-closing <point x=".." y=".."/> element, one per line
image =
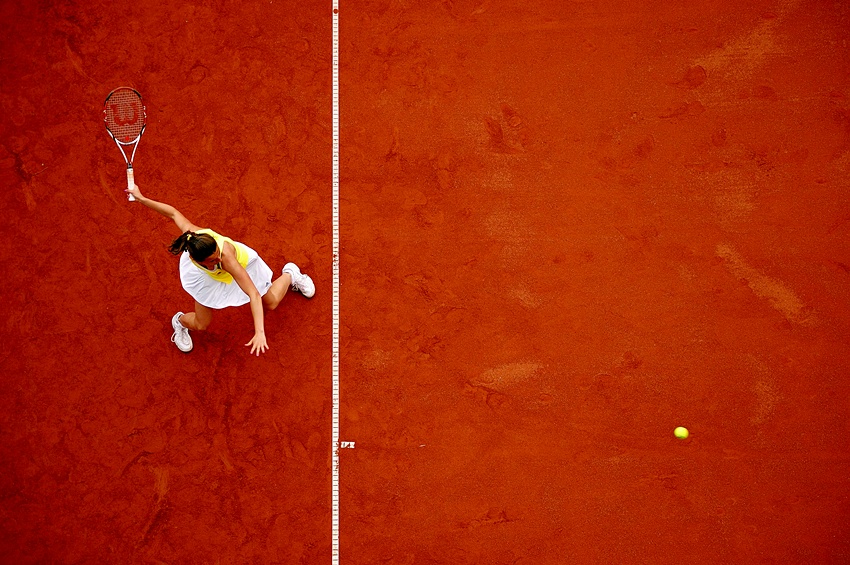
<point x="124" y="115"/>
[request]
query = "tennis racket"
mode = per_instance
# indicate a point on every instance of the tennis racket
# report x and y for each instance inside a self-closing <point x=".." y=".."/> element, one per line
<point x="124" y="115"/>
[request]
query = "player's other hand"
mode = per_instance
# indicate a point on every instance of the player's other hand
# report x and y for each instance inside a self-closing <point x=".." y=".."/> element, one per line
<point x="137" y="194"/>
<point x="258" y="344"/>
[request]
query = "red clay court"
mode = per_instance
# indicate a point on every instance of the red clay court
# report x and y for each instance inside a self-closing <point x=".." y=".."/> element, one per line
<point x="566" y="228"/>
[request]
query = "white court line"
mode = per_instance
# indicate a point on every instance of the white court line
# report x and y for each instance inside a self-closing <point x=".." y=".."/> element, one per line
<point x="335" y="362"/>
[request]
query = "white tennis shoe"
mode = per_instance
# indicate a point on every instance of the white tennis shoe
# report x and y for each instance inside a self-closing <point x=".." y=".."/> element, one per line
<point x="300" y="282"/>
<point x="181" y="337"/>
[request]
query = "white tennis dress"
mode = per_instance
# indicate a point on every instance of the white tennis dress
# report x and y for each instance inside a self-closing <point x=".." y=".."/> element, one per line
<point x="217" y="289"/>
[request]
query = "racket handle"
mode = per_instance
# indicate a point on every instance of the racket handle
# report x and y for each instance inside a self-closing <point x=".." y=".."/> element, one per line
<point x="130" y="183"/>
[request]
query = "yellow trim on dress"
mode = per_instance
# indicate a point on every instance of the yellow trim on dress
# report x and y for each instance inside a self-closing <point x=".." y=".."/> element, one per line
<point x="241" y="255"/>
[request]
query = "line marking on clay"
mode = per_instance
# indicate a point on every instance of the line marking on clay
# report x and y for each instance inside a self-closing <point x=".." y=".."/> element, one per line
<point x="335" y="334"/>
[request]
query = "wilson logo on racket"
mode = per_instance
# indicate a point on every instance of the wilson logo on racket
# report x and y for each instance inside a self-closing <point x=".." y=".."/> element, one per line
<point x="118" y="115"/>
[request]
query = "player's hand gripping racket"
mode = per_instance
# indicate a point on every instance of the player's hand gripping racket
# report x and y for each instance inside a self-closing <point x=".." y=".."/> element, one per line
<point x="124" y="115"/>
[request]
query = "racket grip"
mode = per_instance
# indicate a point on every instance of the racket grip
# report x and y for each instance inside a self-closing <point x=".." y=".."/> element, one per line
<point x="130" y="183"/>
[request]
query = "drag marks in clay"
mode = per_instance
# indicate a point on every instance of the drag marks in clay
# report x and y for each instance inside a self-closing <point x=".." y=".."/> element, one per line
<point x="511" y="382"/>
<point x="775" y="292"/>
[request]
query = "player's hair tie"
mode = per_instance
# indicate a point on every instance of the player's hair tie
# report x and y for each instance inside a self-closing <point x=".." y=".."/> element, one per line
<point x="188" y="235"/>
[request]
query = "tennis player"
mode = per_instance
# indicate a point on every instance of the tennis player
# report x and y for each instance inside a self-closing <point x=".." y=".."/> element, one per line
<point x="219" y="272"/>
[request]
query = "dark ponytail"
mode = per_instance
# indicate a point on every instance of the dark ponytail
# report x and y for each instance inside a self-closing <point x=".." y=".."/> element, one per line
<point x="199" y="245"/>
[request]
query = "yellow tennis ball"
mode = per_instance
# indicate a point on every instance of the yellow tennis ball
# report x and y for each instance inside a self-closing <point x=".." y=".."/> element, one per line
<point x="681" y="433"/>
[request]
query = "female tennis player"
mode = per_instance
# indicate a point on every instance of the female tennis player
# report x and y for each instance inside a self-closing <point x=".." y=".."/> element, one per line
<point x="219" y="272"/>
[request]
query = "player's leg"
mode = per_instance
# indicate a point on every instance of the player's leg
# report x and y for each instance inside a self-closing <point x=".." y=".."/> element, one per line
<point x="199" y="320"/>
<point x="277" y="291"/>
<point x="292" y="277"/>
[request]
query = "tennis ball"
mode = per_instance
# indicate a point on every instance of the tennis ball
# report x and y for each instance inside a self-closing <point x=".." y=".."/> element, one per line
<point x="681" y="433"/>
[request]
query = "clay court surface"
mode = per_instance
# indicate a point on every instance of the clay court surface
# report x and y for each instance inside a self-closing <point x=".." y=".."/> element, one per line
<point x="567" y="227"/>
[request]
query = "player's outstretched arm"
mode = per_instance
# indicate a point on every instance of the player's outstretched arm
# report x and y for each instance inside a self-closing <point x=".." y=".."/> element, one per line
<point x="258" y="343"/>
<point x="165" y="209"/>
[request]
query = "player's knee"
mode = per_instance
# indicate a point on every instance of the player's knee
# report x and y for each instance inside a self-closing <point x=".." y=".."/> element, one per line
<point x="201" y="325"/>
<point x="270" y="302"/>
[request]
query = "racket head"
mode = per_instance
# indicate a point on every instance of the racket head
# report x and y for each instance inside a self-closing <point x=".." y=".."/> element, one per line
<point x="124" y="115"/>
